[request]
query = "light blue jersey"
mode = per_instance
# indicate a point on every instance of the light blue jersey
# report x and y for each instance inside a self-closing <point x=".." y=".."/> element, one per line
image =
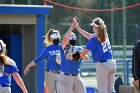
<point x="68" y="66"/>
<point x="49" y="53"/>
<point x="100" y="51"/>
<point x="5" y="79"/>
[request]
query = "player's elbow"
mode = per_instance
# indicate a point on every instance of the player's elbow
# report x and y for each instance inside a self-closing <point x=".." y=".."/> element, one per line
<point x="84" y="56"/>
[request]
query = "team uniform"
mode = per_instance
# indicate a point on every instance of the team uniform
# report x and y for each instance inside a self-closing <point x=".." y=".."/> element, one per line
<point x="136" y="61"/>
<point x="69" y="80"/>
<point x="5" y="76"/>
<point x="105" y="65"/>
<point x="53" y="67"/>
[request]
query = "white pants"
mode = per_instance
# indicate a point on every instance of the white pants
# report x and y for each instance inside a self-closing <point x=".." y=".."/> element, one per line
<point x="70" y="84"/>
<point x="51" y="82"/>
<point x="105" y="73"/>
<point x="5" y="89"/>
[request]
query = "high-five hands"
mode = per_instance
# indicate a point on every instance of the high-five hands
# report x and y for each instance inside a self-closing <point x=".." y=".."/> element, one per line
<point x="75" y="21"/>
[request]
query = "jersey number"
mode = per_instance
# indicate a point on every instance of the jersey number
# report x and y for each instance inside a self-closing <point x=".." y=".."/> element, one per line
<point x="106" y="46"/>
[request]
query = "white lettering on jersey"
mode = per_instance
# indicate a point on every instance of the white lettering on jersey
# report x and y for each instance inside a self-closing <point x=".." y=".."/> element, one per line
<point x="106" y="46"/>
<point x="54" y="52"/>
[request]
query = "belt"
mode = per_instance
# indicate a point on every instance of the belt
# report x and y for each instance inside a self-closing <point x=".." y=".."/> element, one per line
<point x="103" y="61"/>
<point x="53" y="71"/>
<point x="108" y="60"/>
<point x="3" y="85"/>
<point x="70" y="74"/>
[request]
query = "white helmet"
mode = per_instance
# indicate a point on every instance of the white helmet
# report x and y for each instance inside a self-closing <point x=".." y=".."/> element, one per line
<point x="2" y="46"/>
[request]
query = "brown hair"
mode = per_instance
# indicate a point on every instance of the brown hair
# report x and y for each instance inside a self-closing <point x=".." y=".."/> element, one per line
<point x="102" y="30"/>
<point x="48" y="40"/>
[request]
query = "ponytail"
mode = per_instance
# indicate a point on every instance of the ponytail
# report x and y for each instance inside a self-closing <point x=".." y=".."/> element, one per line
<point x="102" y="36"/>
<point x="102" y="30"/>
<point x="4" y="59"/>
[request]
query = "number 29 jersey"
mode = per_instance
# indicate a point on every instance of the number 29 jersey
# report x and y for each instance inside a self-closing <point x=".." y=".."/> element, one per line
<point x="100" y="51"/>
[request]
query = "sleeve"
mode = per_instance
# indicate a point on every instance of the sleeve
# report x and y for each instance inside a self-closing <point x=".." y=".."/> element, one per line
<point x="42" y="56"/>
<point x="91" y="44"/>
<point x="13" y="67"/>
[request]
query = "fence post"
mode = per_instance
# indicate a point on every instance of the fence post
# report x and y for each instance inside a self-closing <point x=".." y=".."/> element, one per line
<point x="127" y="72"/>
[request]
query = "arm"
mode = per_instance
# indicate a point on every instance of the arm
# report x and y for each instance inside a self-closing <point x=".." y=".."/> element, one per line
<point x="84" y="55"/>
<point x="136" y="83"/>
<point x="84" y="33"/>
<point x="43" y="55"/>
<point x="19" y="81"/>
<point x="28" y="67"/>
<point x="66" y="37"/>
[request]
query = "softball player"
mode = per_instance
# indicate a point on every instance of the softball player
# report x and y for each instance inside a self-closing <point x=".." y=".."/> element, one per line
<point x="69" y="80"/>
<point x="8" y="68"/>
<point x="53" y="67"/>
<point x="100" y="47"/>
<point x="136" y="64"/>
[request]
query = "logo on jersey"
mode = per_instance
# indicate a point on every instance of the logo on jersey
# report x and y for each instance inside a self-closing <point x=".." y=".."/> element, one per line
<point x="54" y="52"/>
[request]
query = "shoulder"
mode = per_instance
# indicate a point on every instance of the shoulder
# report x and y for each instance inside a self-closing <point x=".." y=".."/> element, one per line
<point x="94" y="37"/>
<point x="12" y="62"/>
<point x="93" y="40"/>
<point x="59" y="45"/>
<point x="49" y="46"/>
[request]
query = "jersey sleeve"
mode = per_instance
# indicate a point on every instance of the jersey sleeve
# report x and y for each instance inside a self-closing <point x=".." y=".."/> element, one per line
<point x="13" y="67"/>
<point x="91" y="45"/>
<point x="42" y="56"/>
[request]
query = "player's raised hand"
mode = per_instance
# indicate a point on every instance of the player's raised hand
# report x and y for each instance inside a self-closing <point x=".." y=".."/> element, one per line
<point x="75" y="21"/>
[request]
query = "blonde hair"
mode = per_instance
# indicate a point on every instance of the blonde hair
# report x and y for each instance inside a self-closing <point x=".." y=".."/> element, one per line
<point x="102" y="30"/>
<point x="47" y="40"/>
<point x="4" y="60"/>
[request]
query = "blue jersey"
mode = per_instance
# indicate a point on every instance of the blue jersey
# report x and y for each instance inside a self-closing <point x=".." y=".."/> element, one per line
<point x="68" y="66"/>
<point x="49" y="53"/>
<point x="8" y="69"/>
<point x="100" y="51"/>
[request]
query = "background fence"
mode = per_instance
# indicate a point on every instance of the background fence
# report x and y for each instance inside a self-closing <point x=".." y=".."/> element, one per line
<point x="88" y="72"/>
<point x="60" y="19"/>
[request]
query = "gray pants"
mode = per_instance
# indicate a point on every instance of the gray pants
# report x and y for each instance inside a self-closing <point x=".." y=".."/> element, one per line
<point x="105" y="73"/>
<point x="70" y="84"/>
<point x="5" y="89"/>
<point x="51" y="82"/>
